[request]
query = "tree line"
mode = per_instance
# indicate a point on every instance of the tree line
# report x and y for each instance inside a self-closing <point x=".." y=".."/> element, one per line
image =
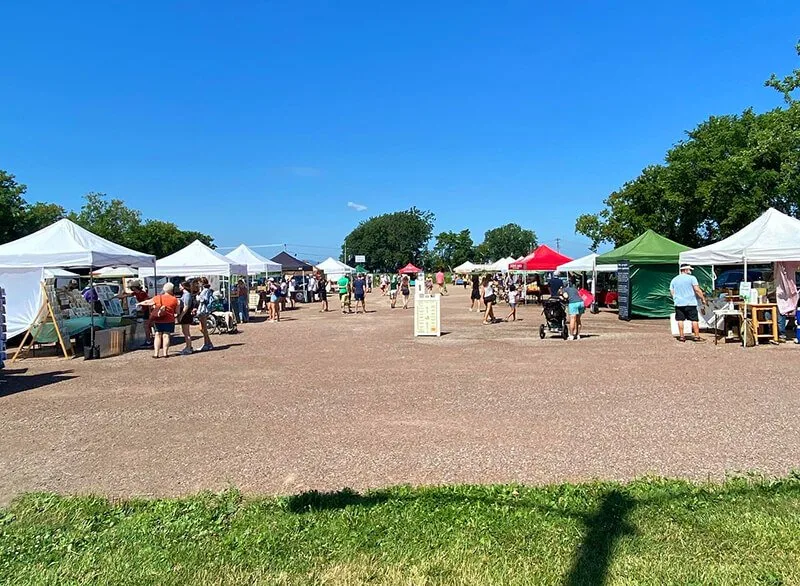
<point x="727" y="172"/>
<point x="389" y="241"/>
<point x="107" y="217"/>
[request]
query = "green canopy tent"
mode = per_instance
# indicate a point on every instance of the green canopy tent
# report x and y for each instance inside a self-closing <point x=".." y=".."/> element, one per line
<point x="653" y="261"/>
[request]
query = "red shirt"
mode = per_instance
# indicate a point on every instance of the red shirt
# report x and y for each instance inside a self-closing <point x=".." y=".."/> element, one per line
<point x="170" y="305"/>
<point x="141" y="295"/>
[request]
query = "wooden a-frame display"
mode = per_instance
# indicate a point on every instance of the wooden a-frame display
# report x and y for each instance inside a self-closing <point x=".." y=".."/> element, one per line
<point x="48" y="311"/>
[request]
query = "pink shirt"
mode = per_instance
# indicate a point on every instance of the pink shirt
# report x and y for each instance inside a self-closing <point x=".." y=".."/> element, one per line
<point x="440" y="278"/>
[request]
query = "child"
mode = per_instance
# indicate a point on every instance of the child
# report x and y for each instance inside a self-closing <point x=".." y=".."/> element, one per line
<point x="512" y="301"/>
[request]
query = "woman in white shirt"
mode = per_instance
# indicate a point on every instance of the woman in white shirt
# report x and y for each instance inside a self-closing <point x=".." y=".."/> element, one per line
<point x="489" y="298"/>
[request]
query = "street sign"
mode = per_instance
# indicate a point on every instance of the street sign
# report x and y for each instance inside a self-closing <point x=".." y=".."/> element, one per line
<point x="360" y="258"/>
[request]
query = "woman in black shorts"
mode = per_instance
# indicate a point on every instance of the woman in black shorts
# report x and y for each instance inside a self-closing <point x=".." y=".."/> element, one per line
<point x="475" y="296"/>
<point x="185" y="316"/>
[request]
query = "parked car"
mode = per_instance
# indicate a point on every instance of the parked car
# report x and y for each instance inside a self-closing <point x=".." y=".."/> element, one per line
<point x="731" y="279"/>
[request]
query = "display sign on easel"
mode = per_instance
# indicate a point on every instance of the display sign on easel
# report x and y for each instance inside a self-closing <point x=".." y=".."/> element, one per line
<point x="49" y="312"/>
<point x="427" y="315"/>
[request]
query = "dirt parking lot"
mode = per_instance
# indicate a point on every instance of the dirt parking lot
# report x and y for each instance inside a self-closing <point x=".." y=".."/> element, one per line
<point x="326" y="401"/>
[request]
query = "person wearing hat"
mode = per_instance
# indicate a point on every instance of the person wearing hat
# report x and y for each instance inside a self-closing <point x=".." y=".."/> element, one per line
<point x="685" y="291"/>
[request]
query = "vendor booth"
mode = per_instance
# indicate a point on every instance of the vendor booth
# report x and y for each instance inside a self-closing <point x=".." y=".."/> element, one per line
<point x="646" y="265"/>
<point x="334" y="269"/>
<point x="34" y="304"/>
<point x="543" y="258"/>
<point x="773" y="237"/>
<point x="292" y="265"/>
<point x="196" y="260"/>
<point x="588" y="264"/>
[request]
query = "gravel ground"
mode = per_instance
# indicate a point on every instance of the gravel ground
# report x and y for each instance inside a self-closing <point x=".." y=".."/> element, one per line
<point x="326" y="401"/>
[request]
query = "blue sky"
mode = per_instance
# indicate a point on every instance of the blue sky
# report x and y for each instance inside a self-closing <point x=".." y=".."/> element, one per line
<point x="258" y="121"/>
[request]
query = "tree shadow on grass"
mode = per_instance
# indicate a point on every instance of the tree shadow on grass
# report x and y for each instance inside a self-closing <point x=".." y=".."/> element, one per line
<point x="16" y="381"/>
<point x="603" y="529"/>
<point x="314" y="500"/>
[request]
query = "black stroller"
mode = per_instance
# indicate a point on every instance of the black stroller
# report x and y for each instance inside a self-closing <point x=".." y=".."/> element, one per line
<point x="555" y="315"/>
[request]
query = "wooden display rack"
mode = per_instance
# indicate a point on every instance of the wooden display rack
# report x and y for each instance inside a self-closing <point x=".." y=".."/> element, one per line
<point x="49" y="312"/>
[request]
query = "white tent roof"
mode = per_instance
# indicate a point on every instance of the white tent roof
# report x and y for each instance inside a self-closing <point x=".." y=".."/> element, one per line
<point x="196" y="259"/>
<point x="67" y="245"/>
<point x="465" y="267"/>
<point x="59" y="274"/>
<point x="331" y="266"/>
<point x="772" y="237"/>
<point x="585" y="264"/>
<point x="255" y="262"/>
<point x="115" y="272"/>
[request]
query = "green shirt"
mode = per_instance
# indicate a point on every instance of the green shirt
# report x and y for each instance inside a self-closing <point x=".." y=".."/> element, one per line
<point x="343" y="283"/>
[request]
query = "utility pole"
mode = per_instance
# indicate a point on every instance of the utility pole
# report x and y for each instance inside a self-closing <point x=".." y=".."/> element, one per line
<point x="558" y="244"/>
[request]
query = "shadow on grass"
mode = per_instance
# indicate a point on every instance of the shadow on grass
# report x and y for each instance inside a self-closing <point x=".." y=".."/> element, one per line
<point x="603" y="528"/>
<point x="313" y="500"/>
<point x="16" y="381"/>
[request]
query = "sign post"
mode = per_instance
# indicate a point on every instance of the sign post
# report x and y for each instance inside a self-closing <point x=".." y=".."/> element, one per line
<point x="624" y="289"/>
<point x="427" y="315"/>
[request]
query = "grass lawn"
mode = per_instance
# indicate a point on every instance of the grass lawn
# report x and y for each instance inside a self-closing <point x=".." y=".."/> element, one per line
<point x="744" y="531"/>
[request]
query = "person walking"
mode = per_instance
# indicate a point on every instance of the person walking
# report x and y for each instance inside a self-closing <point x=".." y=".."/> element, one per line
<point x="185" y="317"/>
<point x="575" y="309"/>
<point x="243" y="301"/>
<point x="322" y="290"/>
<point x="405" y="290"/>
<point x="312" y="287"/>
<point x="555" y="284"/>
<point x="344" y="294"/>
<point x="475" y="295"/>
<point x="292" y="289"/>
<point x="204" y="301"/>
<point x="274" y="300"/>
<point x="393" y="286"/>
<point x="441" y="285"/>
<point x="685" y="291"/>
<point x="489" y="298"/>
<point x="359" y="292"/>
<point x="512" y="302"/>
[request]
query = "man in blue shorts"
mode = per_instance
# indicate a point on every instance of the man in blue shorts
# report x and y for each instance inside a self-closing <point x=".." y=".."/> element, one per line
<point x="359" y="290"/>
<point x="685" y="292"/>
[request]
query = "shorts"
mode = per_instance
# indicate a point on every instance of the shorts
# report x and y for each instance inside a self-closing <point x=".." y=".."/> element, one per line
<point x="576" y="308"/>
<point x="393" y="293"/>
<point x="344" y="298"/>
<point x="323" y="295"/>
<point x="686" y="312"/>
<point x="186" y="319"/>
<point x="489" y="299"/>
<point x="165" y="328"/>
<point x="405" y="292"/>
<point x="476" y="295"/>
<point x="359" y="296"/>
<point x="273" y="298"/>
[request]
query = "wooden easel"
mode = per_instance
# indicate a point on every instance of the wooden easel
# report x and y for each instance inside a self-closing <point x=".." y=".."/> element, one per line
<point x="46" y="310"/>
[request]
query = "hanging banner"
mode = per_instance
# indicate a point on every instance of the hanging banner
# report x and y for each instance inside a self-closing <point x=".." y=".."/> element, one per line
<point x="427" y="315"/>
<point x="624" y="289"/>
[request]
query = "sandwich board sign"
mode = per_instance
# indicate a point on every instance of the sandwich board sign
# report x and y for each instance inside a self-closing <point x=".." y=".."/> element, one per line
<point x="427" y="315"/>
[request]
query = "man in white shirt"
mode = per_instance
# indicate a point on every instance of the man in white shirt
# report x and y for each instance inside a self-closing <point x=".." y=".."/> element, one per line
<point x="685" y="292"/>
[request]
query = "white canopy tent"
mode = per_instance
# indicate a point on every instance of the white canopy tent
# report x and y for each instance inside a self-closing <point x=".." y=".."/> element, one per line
<point x="255" y="263"/>
<point x="772" y="237"/>
<point x="193" y="260"/>
<point x="465" y="267"/>
<point x="66" y="245"/>
<point x="587" y="264"/>
<point x="334" y="269"/>
<point x="115" y="272"/>
<point x="62" y="245"/>
<point x="501" y="265"/>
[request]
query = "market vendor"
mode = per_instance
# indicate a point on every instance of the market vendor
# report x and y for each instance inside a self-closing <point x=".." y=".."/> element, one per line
<point x="138" y="292"/>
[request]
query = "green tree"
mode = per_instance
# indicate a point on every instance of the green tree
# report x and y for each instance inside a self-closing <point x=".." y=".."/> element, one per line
<point x="788" y="84"/>
<point x="508" y="240"/>
<point x="164" y="238"/>
<point x="391" y="240"/>
<point x="108" y="218"/>
<point x="12" y="208"/>
<point x="729" y="170"/>
<point x="452" y="249"/>
<point x="40" y="215"/>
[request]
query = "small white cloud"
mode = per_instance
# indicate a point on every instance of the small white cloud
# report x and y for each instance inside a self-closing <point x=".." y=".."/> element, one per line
<point x="356" y="206"/>
<point x="304" y="171"/>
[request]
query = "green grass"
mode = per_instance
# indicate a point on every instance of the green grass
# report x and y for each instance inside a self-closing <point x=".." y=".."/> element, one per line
<point x="743" y="531"/>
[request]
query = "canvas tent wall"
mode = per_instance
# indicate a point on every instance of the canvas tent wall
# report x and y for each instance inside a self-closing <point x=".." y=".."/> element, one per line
<point x="653" y="261"/>
<point x="254" y="262"/>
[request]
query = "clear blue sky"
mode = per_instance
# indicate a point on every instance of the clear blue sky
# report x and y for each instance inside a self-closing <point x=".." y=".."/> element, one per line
<point x="258" y="121"/>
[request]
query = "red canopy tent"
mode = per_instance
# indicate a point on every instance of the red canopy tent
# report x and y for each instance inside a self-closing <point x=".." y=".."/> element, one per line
<point x="410" y="269"/>
<point x="543" y="258"/>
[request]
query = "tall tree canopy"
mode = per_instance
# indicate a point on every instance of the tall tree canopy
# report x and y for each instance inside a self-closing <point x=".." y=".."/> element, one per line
<point x="509" y="240"/>
<point x="451" y="249"/>
<point x="109" y="218"/>
<point x="389" y="241"/>
<point x="726" y="173"/>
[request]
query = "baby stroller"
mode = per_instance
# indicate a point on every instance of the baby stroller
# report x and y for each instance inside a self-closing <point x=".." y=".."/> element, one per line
<point x="555" y="314"/>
